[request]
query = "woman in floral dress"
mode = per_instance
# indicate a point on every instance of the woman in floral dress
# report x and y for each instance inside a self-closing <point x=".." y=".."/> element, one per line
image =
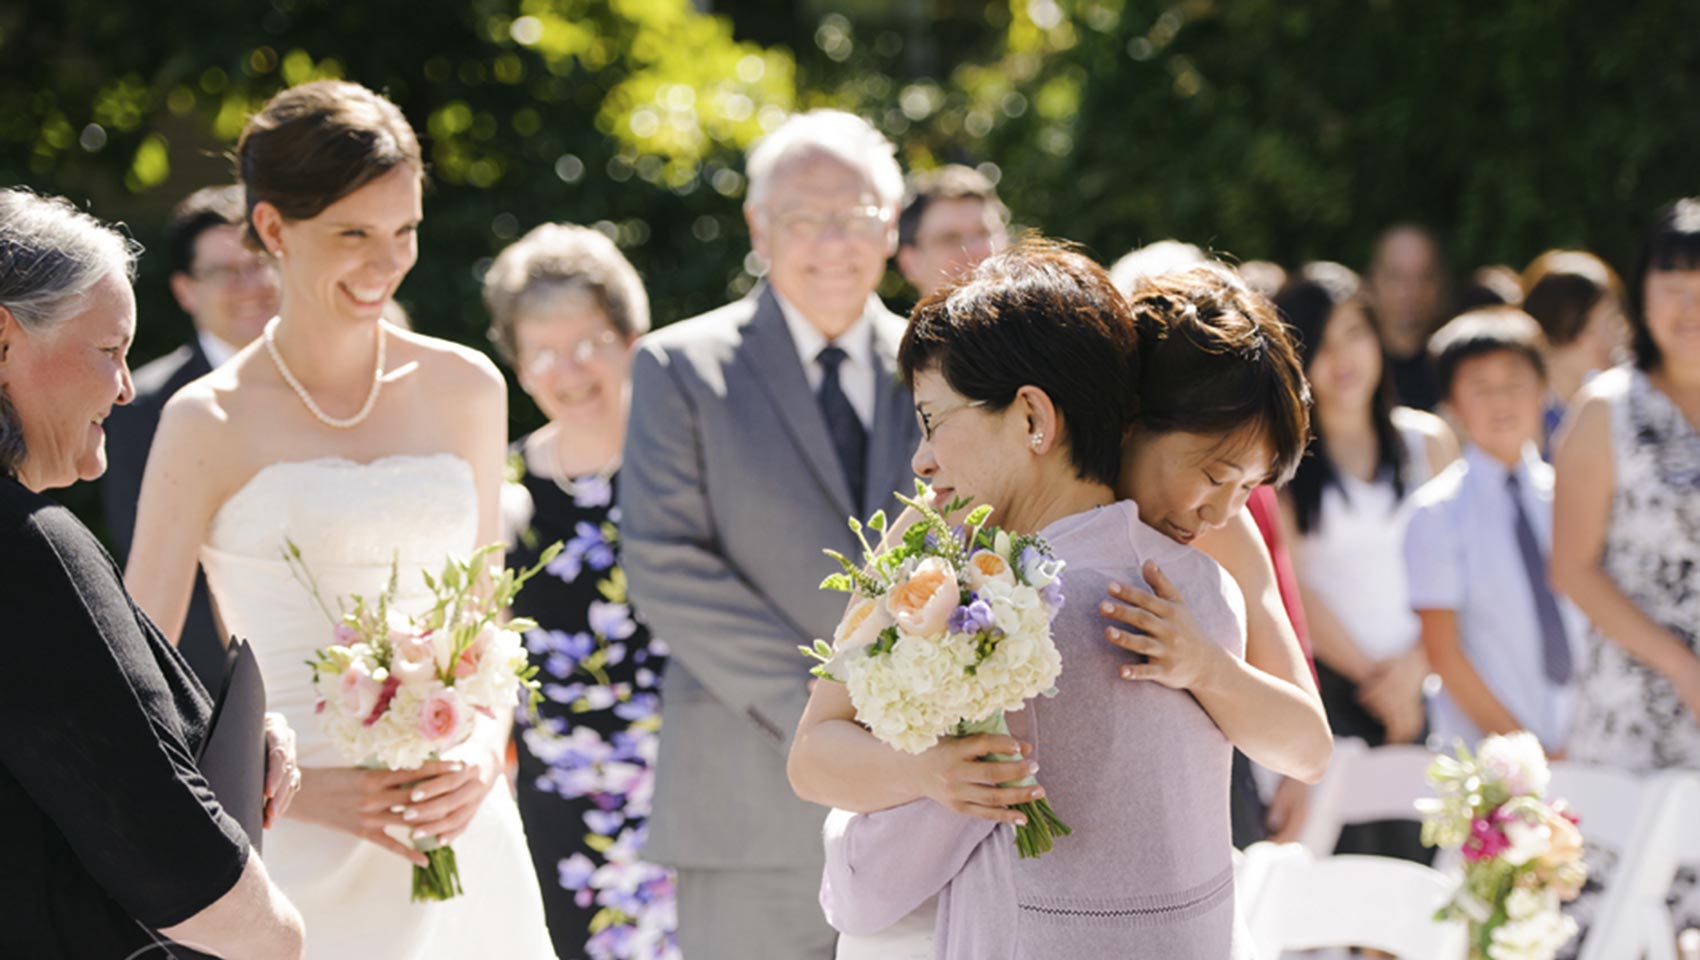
<point x="566" y="308"/>
<point x="1626" y="538"/>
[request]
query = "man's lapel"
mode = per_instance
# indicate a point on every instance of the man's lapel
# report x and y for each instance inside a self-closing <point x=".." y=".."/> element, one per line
<point x="890" y="443"/>
<point x="769" y="357"/>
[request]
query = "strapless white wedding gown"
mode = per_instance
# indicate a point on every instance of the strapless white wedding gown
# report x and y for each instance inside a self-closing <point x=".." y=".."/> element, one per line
<point x="351" y="520"/>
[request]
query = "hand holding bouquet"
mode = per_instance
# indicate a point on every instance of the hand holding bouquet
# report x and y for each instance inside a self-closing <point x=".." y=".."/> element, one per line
<point x="947" y="631"/>
<point x="1522" y="854"/>
<point x="396" y="690"/>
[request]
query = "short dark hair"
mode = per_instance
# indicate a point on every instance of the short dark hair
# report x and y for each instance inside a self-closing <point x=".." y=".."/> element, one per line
<point x="1214" y="358"/>
<point x="1479" y="332"/>
<point x="199" y="212"/>
<point x="1561" y="287"/>
<point x="1672" y="242"/>
<point x="1041" y="315"/>
<point x="314" y="144"/>
<point x="951" y="182"/>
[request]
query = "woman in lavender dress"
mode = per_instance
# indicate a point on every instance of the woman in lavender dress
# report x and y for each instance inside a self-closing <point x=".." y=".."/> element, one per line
<point x="1013" y="375"/>
<point x="565" y="308"/>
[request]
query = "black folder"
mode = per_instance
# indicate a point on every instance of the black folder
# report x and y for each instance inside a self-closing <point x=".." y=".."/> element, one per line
<point x="233" y="759"/>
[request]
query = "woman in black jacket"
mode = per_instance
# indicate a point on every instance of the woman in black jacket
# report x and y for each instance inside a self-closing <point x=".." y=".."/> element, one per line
<point x="113" y="835"/>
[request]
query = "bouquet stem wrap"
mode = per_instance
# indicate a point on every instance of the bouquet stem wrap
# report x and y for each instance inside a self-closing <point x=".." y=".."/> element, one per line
<point x="441" y="879"/>
<point x="1043" y="826"/>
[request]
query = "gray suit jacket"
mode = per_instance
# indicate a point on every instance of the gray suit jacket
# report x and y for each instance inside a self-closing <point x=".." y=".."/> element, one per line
<point x="730" y="489"/>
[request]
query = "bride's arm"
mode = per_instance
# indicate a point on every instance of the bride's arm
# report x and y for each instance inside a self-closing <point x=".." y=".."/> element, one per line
<point x="477" y="418"/>
<point x="180" y="490"/>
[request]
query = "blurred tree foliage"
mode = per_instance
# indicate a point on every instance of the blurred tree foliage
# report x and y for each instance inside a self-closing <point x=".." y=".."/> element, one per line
<point x="1264" y="128"/>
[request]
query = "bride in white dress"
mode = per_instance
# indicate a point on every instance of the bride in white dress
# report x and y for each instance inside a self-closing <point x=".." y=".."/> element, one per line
<point x="364" y="445"/>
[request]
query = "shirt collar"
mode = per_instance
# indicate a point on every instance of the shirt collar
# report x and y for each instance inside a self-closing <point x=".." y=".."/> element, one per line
<point x="856" y="342"/>
<point x="215" y="349"/>
<point x="1480" y="462"/>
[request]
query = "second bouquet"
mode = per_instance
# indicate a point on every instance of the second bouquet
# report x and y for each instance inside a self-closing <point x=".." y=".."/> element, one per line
<point x="948" y="629"/>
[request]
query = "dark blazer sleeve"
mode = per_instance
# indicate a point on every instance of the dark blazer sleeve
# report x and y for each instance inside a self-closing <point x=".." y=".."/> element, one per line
<point x="96" y="735"/>
<point x="129" y="436"/>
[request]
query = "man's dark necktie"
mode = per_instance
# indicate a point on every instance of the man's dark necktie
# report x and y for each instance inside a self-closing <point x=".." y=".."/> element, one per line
<point x="1554" y="639"/>
<point x="849" y="437"/>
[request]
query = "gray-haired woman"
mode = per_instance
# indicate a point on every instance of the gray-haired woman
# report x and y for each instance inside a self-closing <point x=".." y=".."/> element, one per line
<point x="565" y="307"/>
<point x="112" y="831"/>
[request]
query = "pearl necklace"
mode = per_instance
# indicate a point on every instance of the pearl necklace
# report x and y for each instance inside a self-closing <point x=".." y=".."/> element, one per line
<point x="307" y="398"/>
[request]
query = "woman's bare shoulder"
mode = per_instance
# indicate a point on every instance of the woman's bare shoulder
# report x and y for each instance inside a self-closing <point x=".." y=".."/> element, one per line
<point x="450" y="365"/>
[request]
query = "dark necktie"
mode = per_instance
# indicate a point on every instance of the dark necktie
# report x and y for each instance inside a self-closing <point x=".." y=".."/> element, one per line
<point x="849" y="437"/>
<point x="1554" y="638"/>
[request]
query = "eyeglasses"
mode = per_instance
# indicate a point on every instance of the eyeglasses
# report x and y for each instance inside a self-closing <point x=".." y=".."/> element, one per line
<point x="859" y="223"/>
<point x="228" y="274"/>
<point x="581" y="352"/>
<point x="930" y="422"/>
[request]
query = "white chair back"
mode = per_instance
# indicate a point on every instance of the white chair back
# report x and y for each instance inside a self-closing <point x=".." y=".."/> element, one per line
<point x="1307" y="903"/>
<point x="1632" y="920"/>
<point x="1365" y="784"/>
<point x="1608" y="801"/>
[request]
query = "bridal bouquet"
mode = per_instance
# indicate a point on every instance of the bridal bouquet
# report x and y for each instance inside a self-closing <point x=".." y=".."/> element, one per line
<point x="396" y="690"/>
<point x="947" y="631"/>
<point x="1522" y="854"/>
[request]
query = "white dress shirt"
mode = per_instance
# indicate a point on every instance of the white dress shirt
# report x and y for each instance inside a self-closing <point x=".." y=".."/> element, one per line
<point x="216" y="350"/>
<point x="855" y="375"/>
<point x="1461" y="554"/>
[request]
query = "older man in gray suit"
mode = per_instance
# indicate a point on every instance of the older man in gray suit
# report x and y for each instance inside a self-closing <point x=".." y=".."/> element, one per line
<point x="755" y="430"/>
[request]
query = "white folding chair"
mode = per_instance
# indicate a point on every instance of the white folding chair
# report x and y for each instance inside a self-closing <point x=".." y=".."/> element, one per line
<point x="1307" y="903"/>
<point x="1365" y="784"/>
<point x="1632" y="920"/>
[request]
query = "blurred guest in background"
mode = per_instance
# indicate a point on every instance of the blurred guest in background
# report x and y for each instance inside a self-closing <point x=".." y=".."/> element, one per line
<point x="1479" y="536"/>
<point x="229" y="292"/>
<point x="1264" y="277"/>
<point x="1345" y="515"/>
<point x="1495" y="285"/>
<point x="1578" y="301"/>
<point x="1154" y="260"/>
<point x="1626" y="539"/>
<point x="1405" y="290"/>
<point x="951" y="220"/>
<point x="565" y="309"/>
<point x="755" y="431"/>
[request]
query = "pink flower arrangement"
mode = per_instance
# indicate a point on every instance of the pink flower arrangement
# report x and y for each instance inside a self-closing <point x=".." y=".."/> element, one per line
<point x="1522" y="854"/>
<point x="397" y="689"/>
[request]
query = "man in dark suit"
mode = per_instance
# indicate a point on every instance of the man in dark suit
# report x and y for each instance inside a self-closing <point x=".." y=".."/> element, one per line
<point x="229" y="292"/>
<point x="755" y="430"/>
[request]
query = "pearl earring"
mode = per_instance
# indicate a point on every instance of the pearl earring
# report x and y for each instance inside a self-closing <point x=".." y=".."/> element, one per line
<point x="1037" y="439"/>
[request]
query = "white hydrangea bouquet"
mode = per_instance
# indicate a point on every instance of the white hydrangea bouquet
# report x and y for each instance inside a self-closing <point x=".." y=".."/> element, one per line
<point x="948" y="629"/>
<point x="395" y="690"/>
<point x="1522" y="854"/>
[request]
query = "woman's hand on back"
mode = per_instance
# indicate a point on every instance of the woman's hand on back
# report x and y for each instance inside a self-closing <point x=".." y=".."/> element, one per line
<point x="1177" y="653"/>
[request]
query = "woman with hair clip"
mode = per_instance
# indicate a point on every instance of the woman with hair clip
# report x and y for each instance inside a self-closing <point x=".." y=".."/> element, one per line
<point x="1344" y="515"/>
<point x="933" y="824"/>
<point x="372" y="449"/>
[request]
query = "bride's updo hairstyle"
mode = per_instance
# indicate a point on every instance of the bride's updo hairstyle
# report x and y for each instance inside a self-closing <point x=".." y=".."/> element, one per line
<point x="1041" y="315"/>
<point x="314" y="144"/>
<point x="1216" y="360"/>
